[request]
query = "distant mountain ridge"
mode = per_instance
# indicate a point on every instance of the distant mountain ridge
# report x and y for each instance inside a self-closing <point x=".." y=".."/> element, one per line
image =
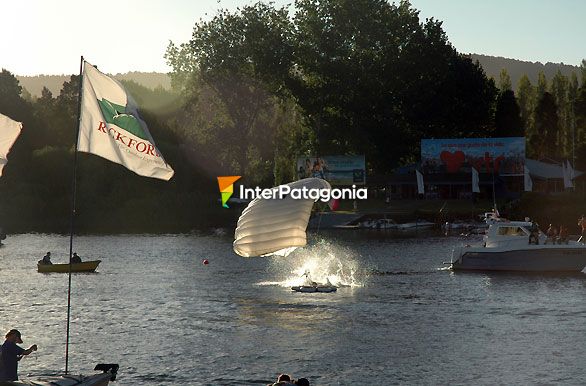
<point x="34" y="84"/>
<point x="493" y="65"/>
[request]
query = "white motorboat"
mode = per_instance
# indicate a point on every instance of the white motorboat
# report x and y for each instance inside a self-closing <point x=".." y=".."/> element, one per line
<point x="519" y="246"/>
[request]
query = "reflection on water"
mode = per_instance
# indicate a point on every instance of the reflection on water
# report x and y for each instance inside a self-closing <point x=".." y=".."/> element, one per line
<point x="289" y="316"/>
<point x="167" y="319"/>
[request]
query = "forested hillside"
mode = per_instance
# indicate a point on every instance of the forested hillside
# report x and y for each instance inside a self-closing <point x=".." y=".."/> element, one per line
<point x="34" y="84"/>
<point x="493" y="65"/>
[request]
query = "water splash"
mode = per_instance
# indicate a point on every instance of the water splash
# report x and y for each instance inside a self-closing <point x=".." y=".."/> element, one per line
<point x="322" y="261"/>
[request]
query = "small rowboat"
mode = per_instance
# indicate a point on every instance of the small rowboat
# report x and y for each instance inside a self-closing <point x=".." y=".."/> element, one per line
<point x="84" y="266"/>
<point x="314" y="288"/>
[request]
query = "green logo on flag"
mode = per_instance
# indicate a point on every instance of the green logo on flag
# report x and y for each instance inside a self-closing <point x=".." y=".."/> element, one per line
<point x="117" y="115"/>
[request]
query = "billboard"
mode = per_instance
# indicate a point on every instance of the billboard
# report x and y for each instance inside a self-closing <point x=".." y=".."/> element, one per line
<point x="337" y="169"/>
<point x="505" y="156"/>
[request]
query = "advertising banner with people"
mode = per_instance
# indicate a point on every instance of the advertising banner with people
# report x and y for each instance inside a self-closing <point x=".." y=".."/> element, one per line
<point x="504" y="156"/>
<point x="337" y="170"/>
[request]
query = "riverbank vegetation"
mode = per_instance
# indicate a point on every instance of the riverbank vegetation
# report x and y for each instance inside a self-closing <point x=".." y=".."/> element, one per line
<point x="254" y="89"/>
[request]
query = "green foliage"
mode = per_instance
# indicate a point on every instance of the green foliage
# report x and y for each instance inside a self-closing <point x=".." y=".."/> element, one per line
<point x="359" y="71"/>
<point x="546" y="128"/>
<point x="526" y="95"/>
<point x="505" y="81"/>
<point x="563" y="209"/>
<point x="232" y="74"/>
<point x="507" y="118"/>
<point x="36" y="186"/>
<point x="541" y="85"/>
<point x="256" y="88"/>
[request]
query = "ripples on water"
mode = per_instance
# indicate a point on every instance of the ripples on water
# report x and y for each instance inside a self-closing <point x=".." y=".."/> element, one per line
<point x="167" y="319"/>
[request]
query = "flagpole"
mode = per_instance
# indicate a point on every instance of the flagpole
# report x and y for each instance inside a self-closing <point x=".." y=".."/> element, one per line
<point x="72" y="219"/>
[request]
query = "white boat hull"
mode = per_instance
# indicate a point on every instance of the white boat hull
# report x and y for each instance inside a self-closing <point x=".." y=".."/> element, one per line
<point x="534" y="258"/>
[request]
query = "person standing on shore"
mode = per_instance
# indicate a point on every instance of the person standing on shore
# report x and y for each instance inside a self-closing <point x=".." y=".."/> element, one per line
<point x="10" y="354"/>
<point x="582" y="225"/>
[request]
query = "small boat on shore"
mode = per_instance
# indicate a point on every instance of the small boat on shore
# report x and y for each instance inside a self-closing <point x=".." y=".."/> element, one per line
<point x="85" y="266"/>
<point x="108" y="374"/>
<point x="519" y="246"/>
<point x="419" y="224"/>
<point x="390" y="224"/>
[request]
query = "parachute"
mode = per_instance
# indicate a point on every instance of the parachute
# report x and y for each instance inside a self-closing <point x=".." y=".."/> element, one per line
<point x="275" y="226"/>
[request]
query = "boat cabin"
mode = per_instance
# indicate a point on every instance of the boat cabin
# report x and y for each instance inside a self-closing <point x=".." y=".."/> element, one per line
<point x="509" y="233"/>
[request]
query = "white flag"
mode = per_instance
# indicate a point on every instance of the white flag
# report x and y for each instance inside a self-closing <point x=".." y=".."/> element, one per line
<point x="527" y="179"/>
<point x="475" y="180"/>
<point x="9" y="131"/>
<point x="570" y="172"/>
<point x="566" y="175"/>
<point x="420" y="186"/>
<point x="111" y="127"/>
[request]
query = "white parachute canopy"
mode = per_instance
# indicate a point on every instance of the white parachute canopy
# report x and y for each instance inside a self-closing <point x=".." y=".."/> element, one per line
<point x="275" y="226"/>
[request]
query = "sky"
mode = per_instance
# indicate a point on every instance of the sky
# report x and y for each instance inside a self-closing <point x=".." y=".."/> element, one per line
<point x="49" y="37"/>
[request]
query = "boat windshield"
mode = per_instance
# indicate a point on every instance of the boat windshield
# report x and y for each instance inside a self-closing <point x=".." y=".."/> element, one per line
<point x="511" y="231"/>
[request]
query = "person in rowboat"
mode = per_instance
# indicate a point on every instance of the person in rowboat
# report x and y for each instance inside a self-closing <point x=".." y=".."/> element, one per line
<point x="10" y="354"/>
<point x="75" y="258"/>
<point x="46" y="259"/>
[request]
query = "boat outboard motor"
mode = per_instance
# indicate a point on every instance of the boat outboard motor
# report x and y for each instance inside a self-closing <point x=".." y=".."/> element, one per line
<point x="111" y="368"/>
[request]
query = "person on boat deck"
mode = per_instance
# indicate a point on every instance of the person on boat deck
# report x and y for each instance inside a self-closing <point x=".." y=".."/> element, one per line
<point x="301" y="382"/>
<point x="582" y="224"/>
<point x="534" y="235"/>
<point x="563" y="237"/>
<point x="47" y="259"/>
<point x="10" y="354"/>
<point x="75" y="258"/>
<point x="551" y="234"/>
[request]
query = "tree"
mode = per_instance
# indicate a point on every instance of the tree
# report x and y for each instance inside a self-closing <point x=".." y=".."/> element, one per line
<point x="572" y="98"/>
<point x="559" y="90"/>
<point x="583" y="72"/>
<point x="359" y="70"/>
<point x="526" y="99"/>
<point x="234" y="70"/>
<point x="541" y="85"/>
<point x="11" y="102"/>
<point x="15" y="107"/>
<point x="508" y="122"/>
<point x="579" y="108"/>
<point x="505" y="81"/>
<point x="544" y="142"/>
<point x="364" y="78"/>
<point x="64" y="124"/>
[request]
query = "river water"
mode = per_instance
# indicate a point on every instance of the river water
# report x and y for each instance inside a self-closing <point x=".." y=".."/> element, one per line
<point x="168" y="319"/>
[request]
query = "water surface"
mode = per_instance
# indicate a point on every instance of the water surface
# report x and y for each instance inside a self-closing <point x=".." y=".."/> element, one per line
<point x="167" y="319"/>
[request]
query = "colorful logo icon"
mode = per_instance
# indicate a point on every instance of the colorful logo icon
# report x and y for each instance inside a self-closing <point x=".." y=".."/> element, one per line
<point x="226" y="184"/>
